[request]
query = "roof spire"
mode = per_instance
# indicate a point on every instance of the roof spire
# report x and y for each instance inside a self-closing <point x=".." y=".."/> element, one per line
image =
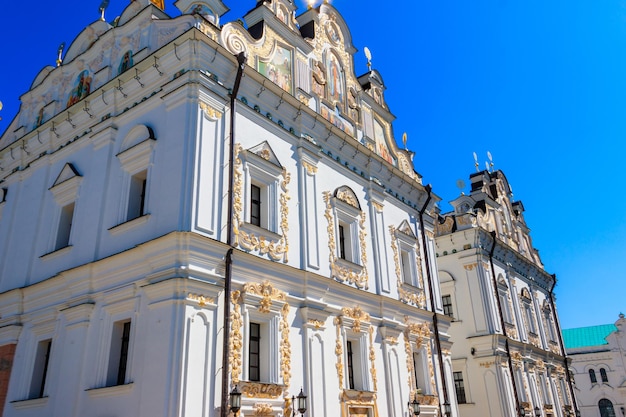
<point x="103" y="7"/>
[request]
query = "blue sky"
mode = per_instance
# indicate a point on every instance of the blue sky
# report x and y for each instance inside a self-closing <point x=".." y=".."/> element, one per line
<point x="541" y="85"/>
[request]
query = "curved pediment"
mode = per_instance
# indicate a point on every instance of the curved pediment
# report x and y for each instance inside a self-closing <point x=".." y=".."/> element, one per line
<point x="86" y="39"/>
<point x="45" y="71"/>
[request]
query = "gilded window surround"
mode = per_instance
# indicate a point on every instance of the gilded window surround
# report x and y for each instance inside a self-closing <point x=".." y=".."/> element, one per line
<point x="407" y="293"/>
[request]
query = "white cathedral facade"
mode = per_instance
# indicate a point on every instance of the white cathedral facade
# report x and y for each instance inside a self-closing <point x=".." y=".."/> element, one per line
<point x="191" y="209"/>
<point x="188" y="207"/>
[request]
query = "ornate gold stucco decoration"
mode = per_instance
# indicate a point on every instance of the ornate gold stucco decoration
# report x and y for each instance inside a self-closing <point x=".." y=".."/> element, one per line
<point x="285" y="346"/>
<point x="422" y="334"/>
<point x="310" y="168"/>
<point x="276" y="250"/>
<point x="209" y="111"/>
<point x="372" y="358"/>
<point x="268" y="294"/>
<point x="347" y="197"/>
<point x="261" y="390"/>
<point x="236" y="338"/>
<point x="267" y="291"/>
<point x="318" y="324"/>
<point x="343" y="273"/>
<point x="409" y="363"/>
<point x="200" y="299"/>
<point x="262" y="409"/>
<point x="407" y="294"/>
<point x="357" y="315"/>
<point x="339" y="351"/>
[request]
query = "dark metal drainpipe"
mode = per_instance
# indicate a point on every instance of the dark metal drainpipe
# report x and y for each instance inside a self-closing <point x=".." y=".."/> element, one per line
<point x="225" y="409"/>
<point x="502" y="325"/>
<point x="558" y="330"/>
<point x="432" y="300"/>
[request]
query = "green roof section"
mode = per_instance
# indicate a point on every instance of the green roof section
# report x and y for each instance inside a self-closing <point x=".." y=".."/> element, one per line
<point x="587" y="336"/>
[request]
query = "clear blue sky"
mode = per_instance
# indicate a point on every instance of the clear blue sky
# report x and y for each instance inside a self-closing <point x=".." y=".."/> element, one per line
<point x="540" y="84"/>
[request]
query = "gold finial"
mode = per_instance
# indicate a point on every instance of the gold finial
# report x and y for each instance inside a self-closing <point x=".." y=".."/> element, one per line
<point x="476" y="161"/>
<point x="103" y="6"/>
<point x="0" y="109"/>
<point x="59" y="53"/>
<point x="310" y="4"/>
<point x="404" y="139"/>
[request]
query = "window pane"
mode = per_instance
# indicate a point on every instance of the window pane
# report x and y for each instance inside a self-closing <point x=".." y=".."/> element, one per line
<point x="459" y="386"/>
<point x="255" y="205"/>
<point x="350" y="365"/>
<point x="447" y="305"/>
<point x="592" y="376"/>
<point x="603" y="375"/>
<point x="254" y="355"/>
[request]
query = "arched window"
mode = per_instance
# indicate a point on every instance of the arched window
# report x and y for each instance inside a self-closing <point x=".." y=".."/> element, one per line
<point x="606" y="408"/>
<point x="603" y="375"/>
<point x="592" y="376"/>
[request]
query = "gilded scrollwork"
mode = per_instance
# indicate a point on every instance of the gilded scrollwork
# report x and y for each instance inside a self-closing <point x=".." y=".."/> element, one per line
<point x="358" y="315"/>
<point x="344" y="273"/>
<point x="236" y="338"/>
<point x="209" y="111"/>
<point x="348" y="197"/>
<point x="310" y="168"/>
<point x="339" y="352"/>
<point x="409" y="362"/>
<point x="268" y="292"/>
<point x="201" y="299"/>
<point x="261" y="390"/>
<point x="275" y="250"/>
<point x="262" y="409"/>
<point x="407" y="294"/>
<point x="372" y="358"/>
<point x="285" y="346"/>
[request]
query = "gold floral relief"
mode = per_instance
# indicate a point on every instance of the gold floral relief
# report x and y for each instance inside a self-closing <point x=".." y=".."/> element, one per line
<point x="201" y="299"/>
<point x="339" y="351"/>
<point x="357" y="315"/>
<point x="237" y="193"/>
<point x="342" y="273"/>
<point x="372" y="358"/>
<point x="405" y="293"/>
<point x="209" y="111"/>
<point x="275" y="250"/>
<point x="208" y="30"/>
<point x="318" y="324"/>
<point x="285" y="346"/>
<point x="260" y="390"/>
<point x="347" y="197"/>
<point x="310" y="168"/>
<point x="267" y="291"/>
<point x="236" y="337"/>
<point x="262" y="410"/>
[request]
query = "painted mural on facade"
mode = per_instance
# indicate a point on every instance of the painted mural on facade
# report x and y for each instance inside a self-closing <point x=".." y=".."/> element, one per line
<point x="279" y="68"/>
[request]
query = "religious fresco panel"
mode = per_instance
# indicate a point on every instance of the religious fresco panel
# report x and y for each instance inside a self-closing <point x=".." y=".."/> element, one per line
<point x="279" y="68"/>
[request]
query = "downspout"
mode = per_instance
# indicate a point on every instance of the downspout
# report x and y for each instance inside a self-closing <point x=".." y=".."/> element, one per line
<point x="444" y="384"/>
<point x="502" y="325"/>
<point x="225" y="409"/>
<point x="558" y="330"/>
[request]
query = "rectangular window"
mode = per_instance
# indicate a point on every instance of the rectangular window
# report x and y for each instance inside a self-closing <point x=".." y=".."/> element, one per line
<point x="407" y="270"/>
<point x="65" y="226"/>
<point x="118" y="358"/>
<point x="345" y="242"/>
<point x="529" y="318"/>
<point x="137" y="195"/>
<point x="350" y="356"/>
<point x="459" y="386"/>
<point x="40" y="370"/>
<point x="255" y="205"/>
<point x="254" y="353"/>
<point x="342" y="242"/>
<point x="446" y="300"/>
<point x="504" y="303"/>
<point x="420" y="375"/>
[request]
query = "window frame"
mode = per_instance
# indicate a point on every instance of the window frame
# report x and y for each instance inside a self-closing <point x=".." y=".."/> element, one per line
<point x="447" y="306"/>
<point x="41" y="369"/>
<point x="604" y="376"/>
<point x="117" y="372"/>
<point x="592" y="376"/>
<point x="459" y="387"/>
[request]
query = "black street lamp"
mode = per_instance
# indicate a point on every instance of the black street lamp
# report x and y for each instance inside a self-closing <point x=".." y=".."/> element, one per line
<point x="414" y="406"/>
<point x="537" y="412"/>
<point x="577" y="413"/>
<point x="235" y="400"/>
<point x="447" y="409"/>
<point x="522" y="412"/>
<point x="301" y="403"/>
